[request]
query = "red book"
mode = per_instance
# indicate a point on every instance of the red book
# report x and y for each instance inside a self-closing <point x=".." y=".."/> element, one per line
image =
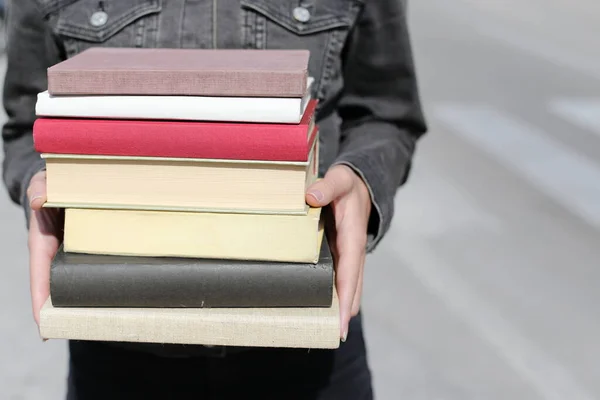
<point x="177" y="139"/>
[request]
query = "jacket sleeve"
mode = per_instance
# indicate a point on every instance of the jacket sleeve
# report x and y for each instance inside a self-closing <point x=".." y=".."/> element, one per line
<point x="30" y="51"/>
<point x="380" y="107"/>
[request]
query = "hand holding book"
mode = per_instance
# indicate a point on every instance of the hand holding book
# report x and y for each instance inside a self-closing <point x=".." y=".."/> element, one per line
<point x="350" y="202"/>
<point x="45" y="236"/>
<point x="340" y="188"/>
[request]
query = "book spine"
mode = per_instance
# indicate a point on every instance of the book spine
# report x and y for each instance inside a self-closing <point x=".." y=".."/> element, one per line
<point x="178" y="83"/>
<point x="192" y="286"/>
<point x="257" y="142"/>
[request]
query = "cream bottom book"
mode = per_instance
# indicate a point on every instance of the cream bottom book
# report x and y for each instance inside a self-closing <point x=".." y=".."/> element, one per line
<point x="250" y="327"/>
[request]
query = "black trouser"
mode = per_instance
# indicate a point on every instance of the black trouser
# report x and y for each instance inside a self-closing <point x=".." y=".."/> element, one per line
<point x="107" y="371"/>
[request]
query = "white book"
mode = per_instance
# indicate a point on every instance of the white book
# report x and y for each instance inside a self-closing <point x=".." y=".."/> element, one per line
<point x="192" y="108"/>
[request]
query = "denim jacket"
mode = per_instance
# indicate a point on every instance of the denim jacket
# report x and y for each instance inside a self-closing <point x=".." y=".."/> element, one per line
<point x="369" y="111"/>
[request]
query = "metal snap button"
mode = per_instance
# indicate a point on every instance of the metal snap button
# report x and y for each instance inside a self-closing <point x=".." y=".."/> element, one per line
<point x="99" y="18"/>
<point x="301" y="14"/>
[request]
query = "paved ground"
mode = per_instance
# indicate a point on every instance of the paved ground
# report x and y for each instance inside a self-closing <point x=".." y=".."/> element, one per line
<point x="485" y="287"/>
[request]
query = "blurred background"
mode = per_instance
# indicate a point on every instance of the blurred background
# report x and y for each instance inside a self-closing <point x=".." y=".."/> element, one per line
<point x="486" y="286"/>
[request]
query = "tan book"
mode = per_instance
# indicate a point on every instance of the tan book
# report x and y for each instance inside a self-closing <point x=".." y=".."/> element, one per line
<point x="261" y="237"/>
<point x="180" y="184"/>
<point x="252" y="327"/>
<point x="190" y="72"/>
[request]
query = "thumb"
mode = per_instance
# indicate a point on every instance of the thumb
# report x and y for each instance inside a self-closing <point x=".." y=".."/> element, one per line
<point x="336" y="182"/>
<point x="36" y="192"/>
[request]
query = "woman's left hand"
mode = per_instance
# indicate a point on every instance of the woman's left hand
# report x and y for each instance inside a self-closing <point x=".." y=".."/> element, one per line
<point x="350" y="202"/>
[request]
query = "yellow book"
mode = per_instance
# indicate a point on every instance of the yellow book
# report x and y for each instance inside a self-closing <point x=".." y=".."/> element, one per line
<point x="178" y="184"/>
<point x="261" y="237"/>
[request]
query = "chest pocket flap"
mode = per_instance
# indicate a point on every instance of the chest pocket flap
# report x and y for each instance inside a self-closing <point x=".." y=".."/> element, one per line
<point x="308" y="17"/>
<point x="95" y="21"/>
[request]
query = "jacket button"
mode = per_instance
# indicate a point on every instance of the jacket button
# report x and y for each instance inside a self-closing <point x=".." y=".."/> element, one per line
<point x="301" y="14"/>
<point x="99" y="18"/>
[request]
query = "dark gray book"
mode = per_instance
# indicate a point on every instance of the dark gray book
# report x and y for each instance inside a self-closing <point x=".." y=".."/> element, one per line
<point x="86" y="280"/>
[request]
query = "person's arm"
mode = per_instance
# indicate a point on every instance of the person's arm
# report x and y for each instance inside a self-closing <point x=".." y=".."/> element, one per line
<point x="381" y="123"/>
<point x="380" y="108"/>
<point x="30" y="51"/>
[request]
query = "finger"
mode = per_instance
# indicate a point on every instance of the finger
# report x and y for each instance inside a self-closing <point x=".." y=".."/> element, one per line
<point x="359" y="289"/>
<point x="36" y="192"/>
<point x="334" y="184"/>
<point x="347" y="271"/>
<point x="42" y="248"/>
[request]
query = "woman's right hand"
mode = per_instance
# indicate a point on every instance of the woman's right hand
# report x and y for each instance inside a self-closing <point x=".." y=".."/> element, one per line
<point x="45" y="236"/>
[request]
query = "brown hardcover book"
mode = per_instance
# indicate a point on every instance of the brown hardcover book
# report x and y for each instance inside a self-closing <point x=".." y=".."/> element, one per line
<point x="180" y="72"/>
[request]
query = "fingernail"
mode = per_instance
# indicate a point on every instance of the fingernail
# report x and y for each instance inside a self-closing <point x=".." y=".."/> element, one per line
<point x="344" y="336"/>
<point x="34" y="198"/>
<point x="317" y="194"/>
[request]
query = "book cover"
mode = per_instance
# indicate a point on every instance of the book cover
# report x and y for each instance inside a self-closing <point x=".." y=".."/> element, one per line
<point x="177" y="139"/>
<point x="174" y="107"/>
<point x="189" y="72"/>
<point x="279" y="327"/>
<point x="89" y="280"/>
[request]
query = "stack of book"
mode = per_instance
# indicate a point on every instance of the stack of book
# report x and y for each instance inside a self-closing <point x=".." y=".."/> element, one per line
<point x="183" y="176"/>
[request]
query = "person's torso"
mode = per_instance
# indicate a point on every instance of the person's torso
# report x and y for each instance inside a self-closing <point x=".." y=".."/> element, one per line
<point x="321" y="26"/>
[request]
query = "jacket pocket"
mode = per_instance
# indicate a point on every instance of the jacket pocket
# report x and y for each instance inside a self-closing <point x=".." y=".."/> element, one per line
<point x="80" y="24"/>
<point x="319" y="17"/>
<point x="320" y="26"/>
